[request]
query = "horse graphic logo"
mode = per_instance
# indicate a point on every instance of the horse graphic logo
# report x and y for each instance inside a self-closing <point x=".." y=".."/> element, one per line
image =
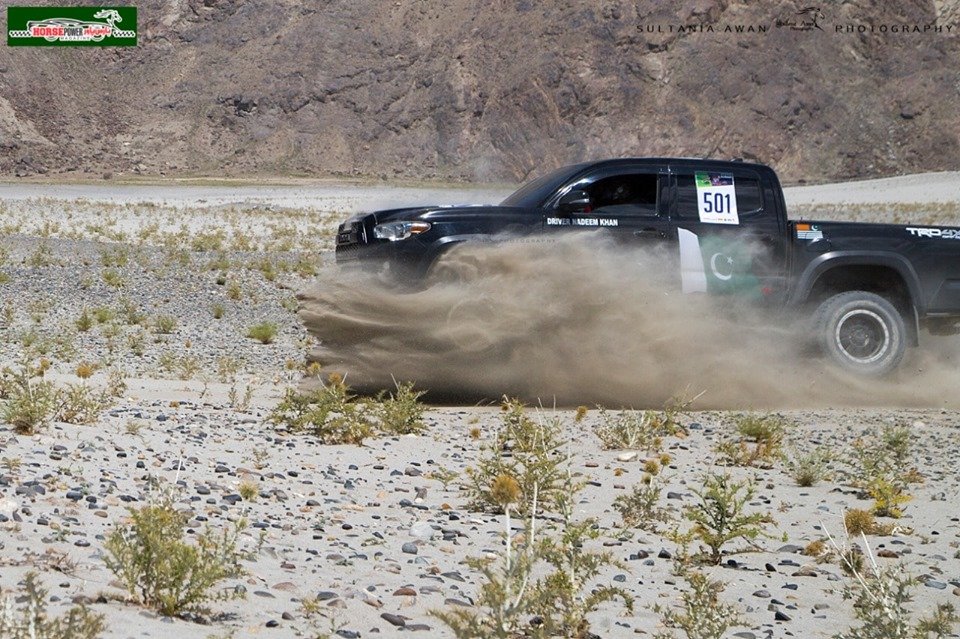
<point x="807" y="19"/>
<point x="71" y="25"/>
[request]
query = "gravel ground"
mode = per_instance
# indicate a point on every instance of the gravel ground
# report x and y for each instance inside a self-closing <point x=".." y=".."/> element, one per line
<point x="365" y="530"/>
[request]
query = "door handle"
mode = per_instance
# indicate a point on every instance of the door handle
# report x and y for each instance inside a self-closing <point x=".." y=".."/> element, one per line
<point x="650" y="232"/>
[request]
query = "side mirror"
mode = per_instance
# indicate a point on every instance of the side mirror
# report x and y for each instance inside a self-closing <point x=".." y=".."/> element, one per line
<point x="575" y="201"/>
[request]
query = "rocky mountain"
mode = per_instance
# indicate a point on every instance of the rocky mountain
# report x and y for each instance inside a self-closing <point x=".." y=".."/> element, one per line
<point x="491" y="91"/>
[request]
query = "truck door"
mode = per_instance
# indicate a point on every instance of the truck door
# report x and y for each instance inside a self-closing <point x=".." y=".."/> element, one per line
<point x="728" y="233"/>
<point x="625" y="200"/>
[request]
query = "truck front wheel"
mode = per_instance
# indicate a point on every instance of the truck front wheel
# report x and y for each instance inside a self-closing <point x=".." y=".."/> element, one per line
<point x="861" y="332"/>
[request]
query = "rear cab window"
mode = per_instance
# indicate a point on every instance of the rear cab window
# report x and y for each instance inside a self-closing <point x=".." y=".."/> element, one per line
<point x="718" y="195"/>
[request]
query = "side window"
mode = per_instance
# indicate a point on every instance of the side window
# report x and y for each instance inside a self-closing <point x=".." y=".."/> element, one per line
<point x="626" y="194"/>
<point x="747" y="190"/>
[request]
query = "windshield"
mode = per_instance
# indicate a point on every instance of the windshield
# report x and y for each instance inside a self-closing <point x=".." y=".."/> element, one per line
<point x="533" y="194"/>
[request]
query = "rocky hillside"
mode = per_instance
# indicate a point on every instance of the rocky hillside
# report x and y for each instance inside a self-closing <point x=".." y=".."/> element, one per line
<point x="489" y="91"/>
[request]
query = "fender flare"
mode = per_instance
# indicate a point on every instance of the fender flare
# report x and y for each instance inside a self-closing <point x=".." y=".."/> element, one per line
<point x="436" y="249"/>
<point x="838" y="259"/>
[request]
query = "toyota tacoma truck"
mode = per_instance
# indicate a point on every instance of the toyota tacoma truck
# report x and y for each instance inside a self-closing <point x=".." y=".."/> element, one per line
<point x="869" y="290"/>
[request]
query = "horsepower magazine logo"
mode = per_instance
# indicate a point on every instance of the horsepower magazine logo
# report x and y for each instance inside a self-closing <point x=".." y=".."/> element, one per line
<point x="71" y="26"/>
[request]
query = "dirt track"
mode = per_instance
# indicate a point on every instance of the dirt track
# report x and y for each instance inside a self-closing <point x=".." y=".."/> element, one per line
<point x="337" y="518"/>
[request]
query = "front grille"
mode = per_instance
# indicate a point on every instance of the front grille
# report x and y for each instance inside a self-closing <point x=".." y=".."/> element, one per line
<point x="351" y="233"/>
<point x="350" y="237"/>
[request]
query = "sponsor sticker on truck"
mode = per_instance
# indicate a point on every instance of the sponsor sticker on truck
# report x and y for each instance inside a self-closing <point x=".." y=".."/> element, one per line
<point x="87" y="26"/>
<point x="717" y="198"/>
<point x="943" y="234"/>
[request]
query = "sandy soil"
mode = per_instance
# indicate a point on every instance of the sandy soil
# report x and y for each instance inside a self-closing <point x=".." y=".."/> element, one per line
<point x="366" y="529"/>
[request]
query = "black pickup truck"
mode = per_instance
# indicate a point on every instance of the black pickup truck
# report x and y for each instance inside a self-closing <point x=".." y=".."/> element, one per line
<point x="868" y="288"/>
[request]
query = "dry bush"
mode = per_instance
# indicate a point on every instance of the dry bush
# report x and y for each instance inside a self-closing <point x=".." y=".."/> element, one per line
<point x="400" y="412"/>
<point x="882" y="469"/>
<point x="264" y="332"/>
<point x="702" y="614"/>
<point x="161" y="570"/>
<point x="759" y="443"/>
<point x="524" y="448"/>
<point x="510" y="604"/>
<point x="329" y="413"/>
<point x="720" y="516"/>
<point x="29" y="401"/>
<point x="880" y="601"/>
<point x="641" y="507"/>
<point x="31" y="621"/>
<point x="810" y="467"/>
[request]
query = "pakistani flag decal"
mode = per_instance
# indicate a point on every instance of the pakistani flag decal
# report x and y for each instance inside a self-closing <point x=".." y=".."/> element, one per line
<point x="716" y="265"/>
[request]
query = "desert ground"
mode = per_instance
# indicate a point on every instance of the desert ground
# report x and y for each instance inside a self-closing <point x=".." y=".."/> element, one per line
<point x="149" y="291"/>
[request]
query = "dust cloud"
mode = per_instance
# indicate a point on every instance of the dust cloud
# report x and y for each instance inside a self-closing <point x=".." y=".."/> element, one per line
<point x="582" y="321"/>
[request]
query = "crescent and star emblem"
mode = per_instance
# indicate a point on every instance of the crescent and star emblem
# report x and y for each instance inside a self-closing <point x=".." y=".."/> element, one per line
<point x="725" y="263"/>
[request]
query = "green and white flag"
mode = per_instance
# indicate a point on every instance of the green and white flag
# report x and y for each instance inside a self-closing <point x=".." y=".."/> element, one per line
<point x="716" y="265"/>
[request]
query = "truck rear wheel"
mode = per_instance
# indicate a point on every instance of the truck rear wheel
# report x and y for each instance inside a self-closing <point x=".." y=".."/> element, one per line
<point x="861" y="332"/>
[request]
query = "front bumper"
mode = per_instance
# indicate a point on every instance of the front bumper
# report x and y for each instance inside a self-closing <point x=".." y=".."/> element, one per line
<point x="357" y="248"/>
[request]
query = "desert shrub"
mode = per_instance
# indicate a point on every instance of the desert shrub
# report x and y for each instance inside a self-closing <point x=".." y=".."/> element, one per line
<point x="851" y="561"/>
<point x="31" y="620"/>
<point x="631" y="430"/>
<point x="329" y="413"/>
<point x="132" y="314"/>
<point x="218" y="311"/>
<point x="882" y="469"/>
<point x="400" y="413"/>
<point x="880" y="602"/>
<point x="161" y="570"/>
<point x="810" y="467"/>
<point x="501" y="608"/>
<point x="719" y="516"/>
<point x="29" y="402"/>
<point x="165" y="324"/>
<point x="563" y="599"/>
<point x="103" y="314"/>
<point x="336" y="416"/>
<point x="84" y="322"/>
<point x="524" y="448"/>
<point x="220" y="262"/>
<point x="112" y="277"/>
<point x="702" y="614"/>
<point x="641" y="508"/>
<point x="119" y="256"/>
<point x="510" y="603"/>
<point x="888" y="496"/>
<point x="816" y="548"/>
<point x="116" y="383"/>
<point x="759" y="443"/>
<point x="502" y="605"/>
<point x="859" y="522"/>
<point x="248" y="490"/>
<point x="638" y="430"/>
<point x="85" y="370"/>
<point x="81" y="404"/>
<point x="227" y="368"/>
<point x="264" y="332"/>
<point x="136" y="341"/>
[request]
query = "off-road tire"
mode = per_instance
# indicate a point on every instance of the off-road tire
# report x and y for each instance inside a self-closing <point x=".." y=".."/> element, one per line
<point x="861" y="332"/>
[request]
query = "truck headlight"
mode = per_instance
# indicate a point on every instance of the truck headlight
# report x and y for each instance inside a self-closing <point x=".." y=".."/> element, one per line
<point x="394" y="231"/>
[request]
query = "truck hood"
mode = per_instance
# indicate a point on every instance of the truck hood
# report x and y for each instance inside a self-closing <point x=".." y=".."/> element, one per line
<point x="458" y="211"/>
<point x="446" y="212"/>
